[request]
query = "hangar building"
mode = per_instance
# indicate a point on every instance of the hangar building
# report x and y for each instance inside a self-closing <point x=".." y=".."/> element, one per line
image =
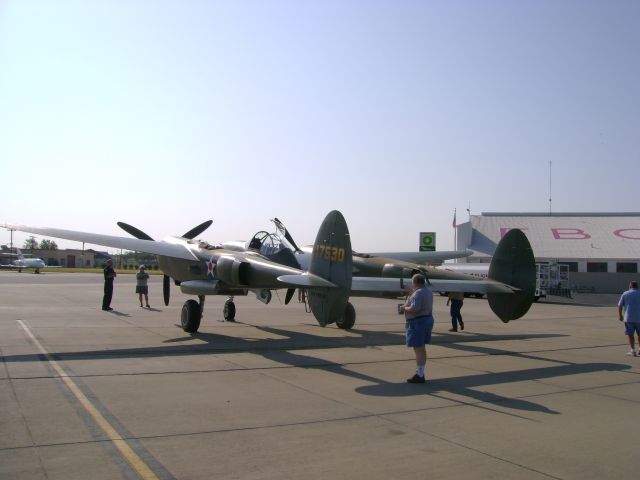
<point x="601" y="250"/>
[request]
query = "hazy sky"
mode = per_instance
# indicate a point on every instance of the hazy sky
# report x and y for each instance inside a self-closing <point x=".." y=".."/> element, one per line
<point x="164" y="114"/>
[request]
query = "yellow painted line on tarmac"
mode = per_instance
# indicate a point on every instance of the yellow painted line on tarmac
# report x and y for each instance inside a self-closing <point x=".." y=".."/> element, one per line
<point x="141" y="468"/>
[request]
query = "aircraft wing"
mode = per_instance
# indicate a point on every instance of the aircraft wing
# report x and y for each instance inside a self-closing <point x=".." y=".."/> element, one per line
<point x="424" y="257"/>
<point x="364" y="285"/>
<point x="127" y="243"/>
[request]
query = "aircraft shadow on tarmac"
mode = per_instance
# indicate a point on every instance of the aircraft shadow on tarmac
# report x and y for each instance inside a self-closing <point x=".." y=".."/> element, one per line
<point x="286" y="350"/>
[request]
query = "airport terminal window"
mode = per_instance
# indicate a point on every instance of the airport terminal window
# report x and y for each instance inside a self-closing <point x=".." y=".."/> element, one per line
<point x="596" y="266"/>
<point x="626" y="267"/>
<point x="573" y="266"/>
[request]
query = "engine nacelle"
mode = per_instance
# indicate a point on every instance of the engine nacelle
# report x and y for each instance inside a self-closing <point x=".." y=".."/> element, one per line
<point x="232" y="271"/>
<point x="391" y="270"/>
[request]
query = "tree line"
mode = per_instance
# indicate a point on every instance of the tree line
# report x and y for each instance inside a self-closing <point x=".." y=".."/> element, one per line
<point x="32" y="244"/>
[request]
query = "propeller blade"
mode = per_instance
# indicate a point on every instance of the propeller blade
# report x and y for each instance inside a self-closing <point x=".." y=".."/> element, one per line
<point x="195" y="231"/>
<point x="280" y="226"/>
<point x="133" y="231"/>
<point x="166" y="281"/>
<point x="287" y="298"/>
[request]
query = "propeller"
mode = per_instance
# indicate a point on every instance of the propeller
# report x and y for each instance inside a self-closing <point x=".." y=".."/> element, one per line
<point x="166" y="282"/>
<point x="191" y="234"/>
<point x="134" y="232"/>
<point x="195" y="231"/>
<point x="282" y="229"/>
<point x="287" y="298"/>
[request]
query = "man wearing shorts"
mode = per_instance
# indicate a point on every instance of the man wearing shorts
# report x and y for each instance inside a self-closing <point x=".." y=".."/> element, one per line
<point x="141" y="285"/>
<point x="419" y="323"/>
<point x="629" y="305"/>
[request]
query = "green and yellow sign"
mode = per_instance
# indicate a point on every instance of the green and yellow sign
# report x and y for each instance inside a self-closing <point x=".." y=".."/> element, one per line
<point x="427" y="241"/>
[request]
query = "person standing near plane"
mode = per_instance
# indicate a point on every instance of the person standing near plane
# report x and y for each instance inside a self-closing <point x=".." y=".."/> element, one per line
<point x="456" y="299"/>
<point x="419" y="323"/>
<point x="629" y="312"/>
<point x="109" y="275"/>
<point x="141" y="285"/>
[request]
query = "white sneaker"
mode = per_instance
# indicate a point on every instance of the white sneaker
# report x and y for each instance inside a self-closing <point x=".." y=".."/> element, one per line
<point x="632" y="353"/>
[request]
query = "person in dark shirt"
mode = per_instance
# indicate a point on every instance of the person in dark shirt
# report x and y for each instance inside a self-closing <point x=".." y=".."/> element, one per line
<point x="109" y="275"/>
<point x="456" y="299"/>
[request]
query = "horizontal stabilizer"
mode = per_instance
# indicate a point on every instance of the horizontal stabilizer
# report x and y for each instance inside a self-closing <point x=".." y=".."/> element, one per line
<point x="424" y="257"/>
<point x="399" y="285"/>
<point x="306" y="280"/>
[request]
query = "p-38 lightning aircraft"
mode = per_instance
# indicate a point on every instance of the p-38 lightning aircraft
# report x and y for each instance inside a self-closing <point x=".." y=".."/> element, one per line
<point x="202" y="269"/>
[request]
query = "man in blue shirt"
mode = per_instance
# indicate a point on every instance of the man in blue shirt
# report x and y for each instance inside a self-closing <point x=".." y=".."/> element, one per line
<point x="629" y="311"/>
<point x="419" y="323"/>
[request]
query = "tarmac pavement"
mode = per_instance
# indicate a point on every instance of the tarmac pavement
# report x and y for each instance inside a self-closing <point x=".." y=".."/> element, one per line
<point x="128" y="394"/>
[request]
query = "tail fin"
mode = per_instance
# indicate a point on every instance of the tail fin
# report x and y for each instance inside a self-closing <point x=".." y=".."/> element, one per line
<point x="19" y="254"/>
<point x="331" y="259"/>
<point x="513" y="263"/>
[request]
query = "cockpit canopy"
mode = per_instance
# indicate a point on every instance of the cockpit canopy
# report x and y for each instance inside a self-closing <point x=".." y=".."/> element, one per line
<point x="265" y="243"/>
<point x="272" y="246"/>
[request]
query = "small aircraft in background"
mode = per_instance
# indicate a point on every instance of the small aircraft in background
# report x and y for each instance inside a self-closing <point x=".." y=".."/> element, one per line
<point x="22" y="262"/>
<point x="325" y="271"/>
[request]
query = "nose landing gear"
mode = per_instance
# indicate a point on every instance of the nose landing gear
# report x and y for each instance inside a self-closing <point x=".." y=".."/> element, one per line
<point x="191" y="315"/>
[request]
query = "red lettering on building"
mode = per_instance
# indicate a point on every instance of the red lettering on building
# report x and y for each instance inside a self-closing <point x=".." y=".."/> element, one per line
<point x="569" y="234"/>
<point x="618" y="233"/>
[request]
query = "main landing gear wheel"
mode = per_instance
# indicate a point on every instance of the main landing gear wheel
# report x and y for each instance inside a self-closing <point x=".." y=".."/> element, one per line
<point x="190" y="316"/>
<point x="229" y="311"/>
<point x="348" y="319"/>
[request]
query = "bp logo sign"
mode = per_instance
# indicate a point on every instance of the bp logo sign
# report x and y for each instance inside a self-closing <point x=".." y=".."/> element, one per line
<point x="427" y="241"/>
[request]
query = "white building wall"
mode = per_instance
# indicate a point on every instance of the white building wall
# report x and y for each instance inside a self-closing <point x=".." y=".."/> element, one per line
<point x="576" y="238"/>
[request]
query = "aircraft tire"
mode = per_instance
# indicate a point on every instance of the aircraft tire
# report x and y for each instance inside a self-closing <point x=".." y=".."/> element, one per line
<point x="190" y="316"/>
<point x="229" y="311"/>
<point x="348" y="319"/>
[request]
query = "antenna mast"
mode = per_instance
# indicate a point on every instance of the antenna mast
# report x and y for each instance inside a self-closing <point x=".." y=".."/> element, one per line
<point x="549" y="187"/>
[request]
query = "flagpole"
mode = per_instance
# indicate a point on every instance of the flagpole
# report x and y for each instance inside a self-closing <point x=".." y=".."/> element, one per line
<point x="455" y="233"/>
